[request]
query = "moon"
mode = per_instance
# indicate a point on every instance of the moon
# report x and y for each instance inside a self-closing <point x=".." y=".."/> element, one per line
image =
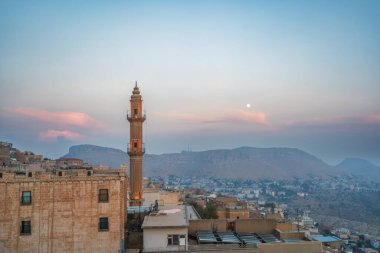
<point x="248" y="105"/>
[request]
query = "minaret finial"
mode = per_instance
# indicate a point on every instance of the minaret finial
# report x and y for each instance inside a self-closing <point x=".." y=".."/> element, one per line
<point x="136" y="84"/>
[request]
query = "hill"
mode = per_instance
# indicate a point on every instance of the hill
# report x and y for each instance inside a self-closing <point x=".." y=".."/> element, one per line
<point x="97" y="155"/>
<point x="244" y="162"/>
<point x="360" y="168"/>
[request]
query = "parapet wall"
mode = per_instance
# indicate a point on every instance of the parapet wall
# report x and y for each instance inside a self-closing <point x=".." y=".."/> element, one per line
<point x="207" y="225"/>
<point x="238" y="226"/>
<point x="264" y="226"/>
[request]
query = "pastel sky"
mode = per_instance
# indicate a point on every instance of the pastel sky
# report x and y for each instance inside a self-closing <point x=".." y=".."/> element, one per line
<point x="309" y="69"/>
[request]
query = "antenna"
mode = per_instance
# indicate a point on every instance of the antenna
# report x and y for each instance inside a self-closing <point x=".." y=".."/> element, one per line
<point x="298" y="221"/>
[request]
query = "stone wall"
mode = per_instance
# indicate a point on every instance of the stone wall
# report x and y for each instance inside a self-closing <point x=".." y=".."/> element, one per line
<point x="64" y="212"/>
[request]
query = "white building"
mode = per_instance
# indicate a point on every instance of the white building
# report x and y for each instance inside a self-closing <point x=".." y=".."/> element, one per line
<point x="167" y="228"/>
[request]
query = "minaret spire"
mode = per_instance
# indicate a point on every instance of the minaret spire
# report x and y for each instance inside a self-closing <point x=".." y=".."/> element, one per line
<point x="136" y="148"/>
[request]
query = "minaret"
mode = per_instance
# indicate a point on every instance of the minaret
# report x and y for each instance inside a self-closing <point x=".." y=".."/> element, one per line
<point x="136" y="150"/>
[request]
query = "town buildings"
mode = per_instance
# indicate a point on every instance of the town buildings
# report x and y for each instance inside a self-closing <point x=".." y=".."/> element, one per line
<point x="178" y="228"/>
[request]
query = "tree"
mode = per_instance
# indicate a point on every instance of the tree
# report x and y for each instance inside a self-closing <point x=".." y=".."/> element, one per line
<point x="209" y="212"/>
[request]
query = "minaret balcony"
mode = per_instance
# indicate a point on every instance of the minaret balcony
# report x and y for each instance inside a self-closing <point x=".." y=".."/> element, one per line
<point x="136" y="151"/>
<point x="136" y="117"/>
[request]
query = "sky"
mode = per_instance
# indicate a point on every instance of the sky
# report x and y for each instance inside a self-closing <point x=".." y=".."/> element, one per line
<point x="213" y="75"/>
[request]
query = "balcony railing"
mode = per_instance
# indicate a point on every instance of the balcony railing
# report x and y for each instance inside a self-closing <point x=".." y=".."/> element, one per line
<point x="136" y="116"/>
<point x="135" y="149"/>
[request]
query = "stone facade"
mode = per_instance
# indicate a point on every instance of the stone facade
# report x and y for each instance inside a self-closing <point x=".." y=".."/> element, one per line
<point x="64" y="210"/>
<point x="5" y="153"/>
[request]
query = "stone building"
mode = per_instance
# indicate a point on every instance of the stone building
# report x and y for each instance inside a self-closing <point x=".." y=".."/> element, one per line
<point x="66" y="162"/>
<point x="162" y="197"/>
<point x="78" y="210"/>
<point x="5" y="153"/>
<point x="232" y="213"/>
<point x="26" y="157"/>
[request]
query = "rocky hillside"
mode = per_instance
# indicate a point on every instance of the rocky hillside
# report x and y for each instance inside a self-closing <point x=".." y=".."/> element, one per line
<point x="244" y="162"/>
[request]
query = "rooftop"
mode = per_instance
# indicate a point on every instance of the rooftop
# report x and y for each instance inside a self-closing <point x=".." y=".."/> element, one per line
<point x="167" y="216"/>
<point x="325" y="239"/>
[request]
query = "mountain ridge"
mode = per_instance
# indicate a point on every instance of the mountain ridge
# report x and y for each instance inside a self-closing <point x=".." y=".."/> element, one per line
<point x="361" y="168"/>
<point x="241" y="162"/>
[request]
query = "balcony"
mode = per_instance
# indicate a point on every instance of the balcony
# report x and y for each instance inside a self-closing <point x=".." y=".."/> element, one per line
<point x="136" y="117"/>
<point x="136" y="151"/>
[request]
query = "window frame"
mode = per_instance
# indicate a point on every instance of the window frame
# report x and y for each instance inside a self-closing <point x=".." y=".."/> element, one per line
<point x="101" y="198"/>
<point x="26" y="224"/>
<point x="173" y="239"/>
<point x="103" y="221"/>
<point x="23" y="198"/>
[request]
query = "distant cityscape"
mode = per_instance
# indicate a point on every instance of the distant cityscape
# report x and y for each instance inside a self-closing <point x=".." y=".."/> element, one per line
<point x="68" y="205"/>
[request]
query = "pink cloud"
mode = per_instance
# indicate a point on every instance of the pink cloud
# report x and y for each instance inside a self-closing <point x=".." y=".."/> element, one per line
<point x="374" y="118"/>
<point x="252" y="116"/>
<point x="237" y="116"/>
<point x="78" y="119"/>
<point x="54" y="134"/>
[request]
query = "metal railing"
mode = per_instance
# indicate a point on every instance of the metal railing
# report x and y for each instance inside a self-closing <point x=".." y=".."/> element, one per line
<point x="136" y="116"/>
<point x="172" y="248"/>
<point x="136" y="149"/>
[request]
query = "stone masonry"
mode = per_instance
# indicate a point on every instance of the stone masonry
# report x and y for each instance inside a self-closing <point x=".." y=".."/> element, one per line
<point x="64" y="212"/>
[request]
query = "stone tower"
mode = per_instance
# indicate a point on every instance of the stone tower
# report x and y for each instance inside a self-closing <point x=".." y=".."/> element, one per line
<point x="136" y="149"/>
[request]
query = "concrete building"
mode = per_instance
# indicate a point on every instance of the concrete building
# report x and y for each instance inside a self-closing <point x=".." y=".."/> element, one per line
<point x="166" y="229"/>
<point x="136" y="148"/>
<point x="77" y="210"/>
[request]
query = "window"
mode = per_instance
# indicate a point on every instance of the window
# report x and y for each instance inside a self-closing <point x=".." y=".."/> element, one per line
<point x="25" y="228"/>
<point x="30" y="174"/>
<point x="103" y="223"/>
<point x="135" y="111"/>
<point x="103" y="195"/>
<point x="135" y="144"/>
<point x="89" y="173"/>
<point x="173" y="239"/>
<point x="1" y="175"/>
<point x="26" y="198"/>
<point x="60" y="173"/>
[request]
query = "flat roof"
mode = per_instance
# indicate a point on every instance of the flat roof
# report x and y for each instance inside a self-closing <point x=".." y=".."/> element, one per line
<point x="325" y="239"/>
<point x="167" y="216"/>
